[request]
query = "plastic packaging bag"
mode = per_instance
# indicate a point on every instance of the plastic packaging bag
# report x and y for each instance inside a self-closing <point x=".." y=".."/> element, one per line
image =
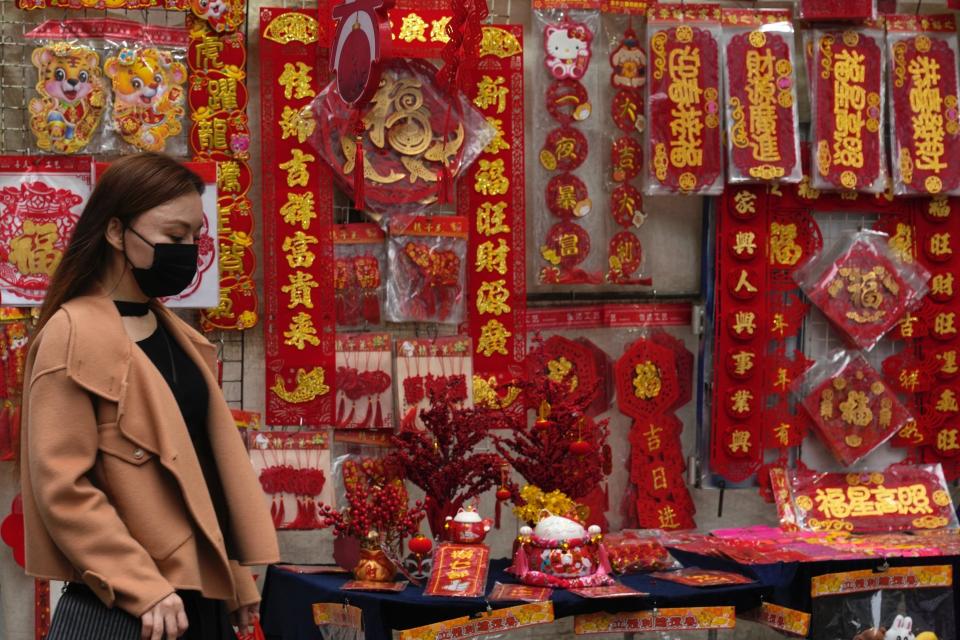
<point x="633" y="551"/>
<point x="684" y="154"/>
<point x="903" y="497"/>
<point x="567" y="142"/>
<point x="861" y="286"/>
<point x="428" y="368"/>
<point x="415" y="139"/>
<point x="147" y="71"/>
<point x="71" y="92"/>
<point x="852" y="408"/>
<point x="847" y="112"/>
<point x="901" y="603"/>
<point x="761" y="96"/>
<point x="428" y="271"/>
<point x="924" y="117"/>
<point x="364" y="383"/>
<point x="359" y="253"/>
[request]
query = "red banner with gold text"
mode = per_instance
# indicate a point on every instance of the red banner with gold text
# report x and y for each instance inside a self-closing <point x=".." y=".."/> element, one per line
<point x="496" y="254"/>
<point x="298" y="222"/>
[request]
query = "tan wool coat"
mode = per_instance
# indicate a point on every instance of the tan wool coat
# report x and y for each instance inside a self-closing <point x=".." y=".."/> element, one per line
<point x="113" y="492"/>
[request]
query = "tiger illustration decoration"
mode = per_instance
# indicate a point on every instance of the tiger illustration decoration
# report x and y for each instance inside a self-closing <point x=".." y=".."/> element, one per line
<point x="72" y="96"/>
<point x="222" y="15"/>
<point x="148" y="96"/>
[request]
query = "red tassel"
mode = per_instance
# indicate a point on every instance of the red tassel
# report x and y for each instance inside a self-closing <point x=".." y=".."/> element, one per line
<point x="371" y="308"/>
<point x="358" y="168"/>
<point x="409" y="420"/>
<point x="496" y="516"/>
<point x="368" y="416"/>
<point x="444" y="186"/>
<point x="378" y="419"/>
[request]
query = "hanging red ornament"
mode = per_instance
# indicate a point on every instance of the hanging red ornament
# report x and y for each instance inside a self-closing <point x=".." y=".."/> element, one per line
<point x="12" y="532"/>
<point x="567" y="196"/>
<point x="565" y="149"/>
<point x="627" y="112"/>
<point x="420" y="544"/>
<point x="567" y="102"/>
<point x="503" y="494"/>
<point x="580" y="447"/>
<point x="626" y="159"/>
<point x="567" y="47"/>
<point x="626" y="204"/>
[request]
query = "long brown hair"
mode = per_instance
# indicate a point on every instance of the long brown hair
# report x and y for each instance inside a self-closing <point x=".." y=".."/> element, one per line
<point x="130" y="187"/>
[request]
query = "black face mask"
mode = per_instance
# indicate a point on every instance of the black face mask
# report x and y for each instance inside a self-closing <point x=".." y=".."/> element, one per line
<point x="174" y="268"/>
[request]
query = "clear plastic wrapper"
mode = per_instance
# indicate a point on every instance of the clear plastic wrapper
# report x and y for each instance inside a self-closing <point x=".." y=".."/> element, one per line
<point x="902" y="497"/>
<point x="861" y="286"/>
<point x="360" y="267"/>
<point x="634" y="551"/>
<point x="684" y="152"/>
<point x="66" y="108"/>
<point x="815" y="10"/>
<point x="852" y="408"/>
<point x="146" y="68"/>
<point x="901" y="603"/>
<point x="414" y="140"/>
<point x="428" y="271"/>
<point x="760" y="88"/>
<point x="566" y="141"/>
<point x="846" y="109"/>
<point x="364" y="382"/>
<point x="924" y="117"/>
<point x="432" y="367"/>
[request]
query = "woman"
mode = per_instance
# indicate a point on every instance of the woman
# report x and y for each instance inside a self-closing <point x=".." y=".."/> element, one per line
<point x="137" y="488"/>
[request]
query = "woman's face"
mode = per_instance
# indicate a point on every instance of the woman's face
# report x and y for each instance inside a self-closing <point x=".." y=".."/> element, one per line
<point x="178" y="221"/>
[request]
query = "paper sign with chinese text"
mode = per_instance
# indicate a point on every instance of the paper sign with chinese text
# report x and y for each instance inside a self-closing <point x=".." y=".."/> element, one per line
<point x="459" y="570"/>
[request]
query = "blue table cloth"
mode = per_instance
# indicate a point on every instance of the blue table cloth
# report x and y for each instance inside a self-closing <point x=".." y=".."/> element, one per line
<point x="286" y="610"/>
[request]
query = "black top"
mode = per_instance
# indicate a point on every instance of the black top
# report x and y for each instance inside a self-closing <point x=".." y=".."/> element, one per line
<point x="190" y="390"/>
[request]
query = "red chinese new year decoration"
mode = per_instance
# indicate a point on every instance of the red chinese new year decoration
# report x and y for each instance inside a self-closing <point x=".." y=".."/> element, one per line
<point x="923" y="104"/>
<point x="441" y="458"/>
<point x="761" y="95"/>
<point x="648" y="383"/>
<point x="218" y="109"/>
<point x="298" y="218"/>
<point x="901" y="498"/>
<point x="362" y="33"/>
<point x="861" y="286"/>
<point x="848" y="123"/>
<point x="459" y="570"/>
<point x="684" y="100"/>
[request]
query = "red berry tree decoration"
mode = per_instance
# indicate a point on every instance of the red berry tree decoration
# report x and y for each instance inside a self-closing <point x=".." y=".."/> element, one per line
<point x="377" y="505"/>
<point x="441" y="458"/>
<point x="564" y="448"/>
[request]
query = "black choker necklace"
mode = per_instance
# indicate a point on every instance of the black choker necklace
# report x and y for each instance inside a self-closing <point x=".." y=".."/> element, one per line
<point x="132" y="308"/>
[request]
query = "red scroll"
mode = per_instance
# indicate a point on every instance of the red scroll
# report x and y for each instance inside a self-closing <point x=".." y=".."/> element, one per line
<point x="496" y="251"/>
<point x="848" y="110"/>
<point x="298" y="217"/>
<point x="925" y="122"/>
<point x="218" y="108"/>
<point x="764" y="143"/>
<point x="683" y="99"/>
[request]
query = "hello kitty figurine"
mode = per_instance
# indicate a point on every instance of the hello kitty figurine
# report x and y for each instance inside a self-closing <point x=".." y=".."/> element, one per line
<point x="567" y="45"/>
<point x="902" y="629"/>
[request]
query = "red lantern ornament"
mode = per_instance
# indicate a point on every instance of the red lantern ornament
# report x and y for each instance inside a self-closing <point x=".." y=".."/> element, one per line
<point x="420" y="545"/>
<point x="564" y="150"/>
<point x="567" y="45"/>
<point x="567" y="102"/>
<point x="580" y="447"/>
<point x="362" y="30"/>
<point x="12" y="532"/>
<point x="567" y="197"/>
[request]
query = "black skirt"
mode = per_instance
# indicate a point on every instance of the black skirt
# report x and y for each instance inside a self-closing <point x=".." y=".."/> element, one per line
<point x="80" y="615"/>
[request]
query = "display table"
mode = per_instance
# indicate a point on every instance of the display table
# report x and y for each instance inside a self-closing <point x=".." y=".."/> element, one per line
<point x="286" y="611"/>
